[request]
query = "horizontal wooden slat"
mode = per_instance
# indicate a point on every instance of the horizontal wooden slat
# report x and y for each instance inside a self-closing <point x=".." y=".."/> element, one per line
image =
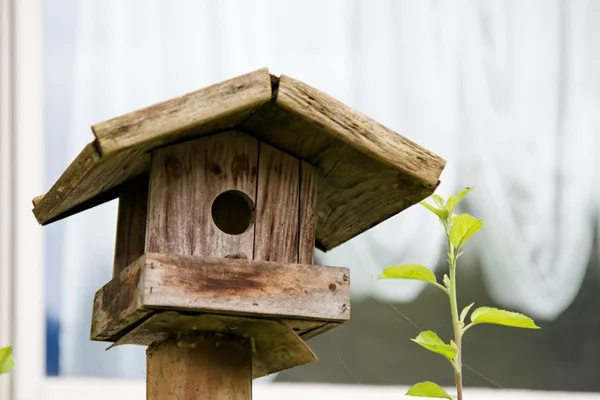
<point x="259" y="288"/>
<point x="214" y="108"/>
<point x="226" y="286"/>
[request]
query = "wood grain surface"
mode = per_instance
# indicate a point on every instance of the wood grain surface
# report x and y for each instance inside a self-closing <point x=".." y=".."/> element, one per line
<point x="259" y="289"/>
<point x="214" y="108"/>
<point x="199" y="367"/>
<point x="277" y="206"/>
<point x="185" y="179"/>
<point x="130" y="241"/>
<point x="308" y="214"/>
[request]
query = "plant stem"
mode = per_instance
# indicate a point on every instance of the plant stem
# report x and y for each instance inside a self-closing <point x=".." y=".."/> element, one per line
<point x="455" y="320"/>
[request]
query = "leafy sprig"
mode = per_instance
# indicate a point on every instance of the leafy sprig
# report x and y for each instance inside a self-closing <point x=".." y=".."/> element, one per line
<point x="459" y="229"/>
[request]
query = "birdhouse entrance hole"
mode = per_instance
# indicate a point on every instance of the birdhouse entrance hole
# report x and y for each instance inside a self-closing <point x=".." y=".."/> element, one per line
<point x="233" y="212"/>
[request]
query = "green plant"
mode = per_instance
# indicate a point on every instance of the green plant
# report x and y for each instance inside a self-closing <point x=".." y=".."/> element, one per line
<point x="7" y="362"/>
<point x="459" y="229"/>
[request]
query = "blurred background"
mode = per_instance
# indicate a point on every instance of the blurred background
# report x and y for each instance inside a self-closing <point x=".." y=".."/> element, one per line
<point x="508" y="92"/>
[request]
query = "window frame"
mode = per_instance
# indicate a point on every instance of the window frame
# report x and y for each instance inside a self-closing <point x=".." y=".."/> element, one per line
<point x="22" y="308"/>
<point x="26" y="137"/>
<point x="6" y="224"/>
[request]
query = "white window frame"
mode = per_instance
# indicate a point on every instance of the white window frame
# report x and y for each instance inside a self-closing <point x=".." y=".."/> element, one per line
<point x="6" y="225"/>
<point x="21" y="245"/>
<point x="27" y="247"/>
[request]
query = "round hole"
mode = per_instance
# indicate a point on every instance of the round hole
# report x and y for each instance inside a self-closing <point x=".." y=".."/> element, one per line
<point x="233" y="212"/>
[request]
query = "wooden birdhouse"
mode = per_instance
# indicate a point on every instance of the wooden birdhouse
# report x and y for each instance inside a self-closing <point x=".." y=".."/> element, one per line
<point x="224" y="193"/>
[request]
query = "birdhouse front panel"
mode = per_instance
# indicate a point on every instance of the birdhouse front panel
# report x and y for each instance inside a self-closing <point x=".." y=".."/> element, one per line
<point x="229" y="195"/>
<point x="186" y="181"/>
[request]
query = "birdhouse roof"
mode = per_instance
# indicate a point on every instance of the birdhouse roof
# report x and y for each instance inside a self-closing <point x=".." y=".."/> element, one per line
<point x="367" y="172"/>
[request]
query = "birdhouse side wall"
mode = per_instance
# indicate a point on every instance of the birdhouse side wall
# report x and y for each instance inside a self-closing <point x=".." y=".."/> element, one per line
<point x="277" y="208"/>
<point x="286" y="208"/>
<point x="131" y="223"/>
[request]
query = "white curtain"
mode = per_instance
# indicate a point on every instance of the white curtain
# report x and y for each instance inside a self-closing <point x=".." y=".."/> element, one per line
<point x="507" y="92"/>
<point x="531" y="101"/>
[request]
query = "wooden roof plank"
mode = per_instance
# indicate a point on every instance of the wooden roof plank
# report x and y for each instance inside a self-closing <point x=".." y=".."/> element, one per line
<point x="217" y="107"/>
<point x="287" y="131"/>
<point x="87" y="177"/>
<point x="356" y="192"/>
<point x="47" y="205"/>
<point x="359" y="131"/>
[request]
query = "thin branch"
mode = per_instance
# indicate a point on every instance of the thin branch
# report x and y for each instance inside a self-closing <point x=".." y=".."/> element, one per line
<point x="441" y="287"/>
<point x="467" y="327"/>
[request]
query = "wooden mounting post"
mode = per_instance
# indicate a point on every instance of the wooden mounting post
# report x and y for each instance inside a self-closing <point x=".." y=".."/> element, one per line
<point x="197" y="366"/>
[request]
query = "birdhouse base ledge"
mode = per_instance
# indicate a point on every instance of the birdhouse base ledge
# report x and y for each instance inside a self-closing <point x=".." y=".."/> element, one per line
<point x="277" y="305"/>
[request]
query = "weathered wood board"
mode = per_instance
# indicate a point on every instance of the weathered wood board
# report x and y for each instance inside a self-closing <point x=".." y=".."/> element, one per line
<point x="130" y="241"/>
<point x="215" y="108"/>
<point x="276" y="347"/>
<point x="220" y="285"/>
<point x="118" y="304"/>
<point x="277" y="206"/>
<point x="185" y="179"/>
<point x="364" y="170"/>
<point x="199" y="366"/>
<point x="308" y="214"/>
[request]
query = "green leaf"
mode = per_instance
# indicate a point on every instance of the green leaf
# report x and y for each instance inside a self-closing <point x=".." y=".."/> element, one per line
<point x="7" y="362"/>
<point x="438" y="200"/>
<point x="431" y="341"/>
<point x="465" y="311"/>
<point x="428" y="389"/>
<point x="454" y="200"/>
<point x="463" y="227"/>
<point x="408" y="271"/>
<point x="489" y="315"/>
<point x="441" y="213"/>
